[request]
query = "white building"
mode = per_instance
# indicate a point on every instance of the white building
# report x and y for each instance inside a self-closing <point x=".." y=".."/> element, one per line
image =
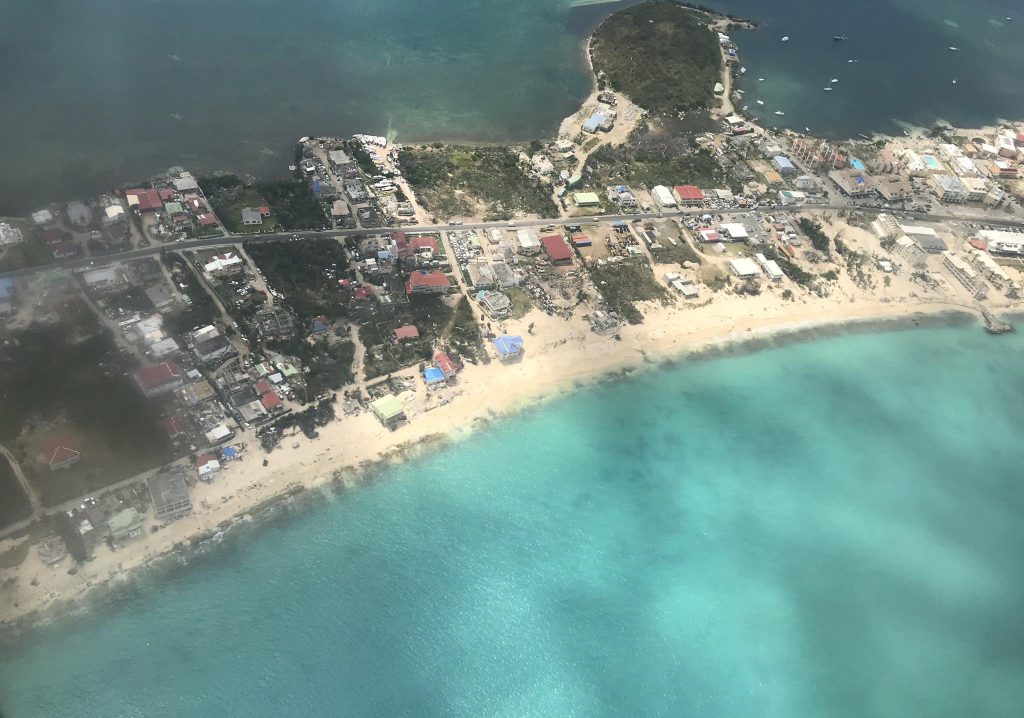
<point x="663" y="197"/>
<point x="1001" y="241"/>
<point x="734" y="231"/>
<point x="963" y="273"/>
<point x="527" y="242"/>
<point x="686" y="288"/>
<point x="770" y="267"/>
<point x="222" y="264"/>
<point x="885" y="226"/>
<point x="745" y="268"/>
<point x="988" y="267"/>
<point x="9" y="235"/>
<point x="908" y="250"/>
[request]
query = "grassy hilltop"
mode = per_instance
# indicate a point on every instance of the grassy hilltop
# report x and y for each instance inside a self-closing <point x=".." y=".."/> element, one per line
<point x="662" y="55"/>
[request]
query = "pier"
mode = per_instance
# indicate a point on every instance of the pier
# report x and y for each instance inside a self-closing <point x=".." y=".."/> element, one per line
<point x="993" y="324"/>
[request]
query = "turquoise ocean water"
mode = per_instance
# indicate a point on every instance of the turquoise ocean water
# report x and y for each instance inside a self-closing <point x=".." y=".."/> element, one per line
<point x="110" y="91"/>
<point x="828" y="528"/>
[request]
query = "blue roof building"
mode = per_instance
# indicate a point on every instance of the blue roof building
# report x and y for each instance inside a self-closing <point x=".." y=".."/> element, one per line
<point x="230" y="452"/>
<point x="593" y="122"/>
<point x="783" y="165"/>
<point x="508" y="347"/>
<point x="432" y="376"/>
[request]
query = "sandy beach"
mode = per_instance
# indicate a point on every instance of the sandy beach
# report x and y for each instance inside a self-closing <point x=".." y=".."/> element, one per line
<point x="561" y="355"/>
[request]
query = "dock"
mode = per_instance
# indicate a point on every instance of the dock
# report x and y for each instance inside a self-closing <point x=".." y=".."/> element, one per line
<point x="995" y="325"/>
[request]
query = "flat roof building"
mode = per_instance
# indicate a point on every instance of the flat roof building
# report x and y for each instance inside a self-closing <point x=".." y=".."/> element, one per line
<point x="586" y="199"/>
<point x="744" y="268"/>
<point x="389" y="410"/>
<point x="770" y="267"/>
<point x="663" y="197"/>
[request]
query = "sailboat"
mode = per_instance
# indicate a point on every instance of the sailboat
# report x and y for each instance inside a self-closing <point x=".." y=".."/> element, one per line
<point x="760" y="79"/>
<point x="954" y="49"/>
<point x="760" y="102"/>
<point x="785" y="38"/>
<point x="779" y="112"/>
<point x="954" y="82"/>
<point x="744" y="108"/>
<point x="828" y="89"/>
<point x="743" y="71"/>
<point x="839" y="38"/>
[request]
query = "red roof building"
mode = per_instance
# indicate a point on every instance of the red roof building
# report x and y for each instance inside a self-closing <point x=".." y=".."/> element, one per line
<point x="263" y="386"/>
<point x="59" y="452"/>
<point x="361" y="293"/>
<point x="979" y="244"/>
<point x="264" y="210"/>
<point x="557" y="249"/>
<point x="147" y="200"/>
<point x="445" y="364"/>
<point x="166" y="194"/>
<point x="689" y="194"/>
<point x="206" y="219"/>
<point x="581" y="240"/>
<point x="422" y="282"/>
<point x="53" y="236"/>
<point x="407" y="332"/>
<point x="172" y="427"/>
<point x="159" y="378"/>
<point x="63" y="250"/>
<point x="419" y="243"/>
<point x="270" y="401"/>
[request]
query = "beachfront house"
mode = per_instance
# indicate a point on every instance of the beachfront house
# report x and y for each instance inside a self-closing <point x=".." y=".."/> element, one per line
<point x="433" y="377"/>
<point x="169" y="494"/>
<point x="389" y="410"/>
<point x="745" y="268"/>
<point x="126" y="524"/>
<point x="509" y="348"/>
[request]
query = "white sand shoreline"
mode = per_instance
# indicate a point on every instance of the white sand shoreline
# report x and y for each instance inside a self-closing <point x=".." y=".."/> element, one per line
<point x="540" y="379"/>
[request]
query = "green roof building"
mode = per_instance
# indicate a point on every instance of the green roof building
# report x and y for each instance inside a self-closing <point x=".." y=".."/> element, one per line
<point x="586" y="199"/>
<point x="388" y="409"/>
<point x="126" y="524"/>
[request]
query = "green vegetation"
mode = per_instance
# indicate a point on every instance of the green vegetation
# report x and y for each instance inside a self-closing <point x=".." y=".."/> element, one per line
<point x="356" y="151"/>
<point x="292" y="202"/>
<point x="656" y="154"/>
<point x="201" y="311"/>
<point x="70" y="378"/>
<point x="624" y="283"/>
<point x="449" y="180"/>
<point x="521" y="302"/>
<point x="813" y="232"/>
<point x="31" y="252"/>
<point x="663" y="56"/>
<point x="790" y="268"/>
<point x="329" y="363"/>
<point x="14" y="504"/>
<point x="307" y="273"/>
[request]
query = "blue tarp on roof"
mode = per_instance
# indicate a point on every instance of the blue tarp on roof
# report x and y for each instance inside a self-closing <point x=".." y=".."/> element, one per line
<point x="508" y="345"/>
<point x="593" y="122"/>
<point x="230" y="452"/>
<point x="433" y="375"/>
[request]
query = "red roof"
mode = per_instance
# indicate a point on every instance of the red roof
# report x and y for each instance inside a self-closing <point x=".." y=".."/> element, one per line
<point x="980" y="244"/>
<point x="64" y="249"/>
<point x="556" y="248"/>
<point x="57" y="450"/>
<point x="403" y="246"/>
<point x="151" y="377"/>
<point x="581" y="240"/>
<point x="206" y="219"/>
<point x="53" y="236"/>
<point x="426" y="279"/>
<point x="407" y="332"/>
<point x="264" y="210"/>
<point x="689" y="192"/>
<point x="172" y="425"/>
<point x="445" y="363"/>
<point x="148" y="199"/>
<point x="166" y="194"/>
<point x="263" y="386"/>
<point x="398" y="236"/>
<point x="206" y="459"/>
<point x="360" y="293"/>
<point x="419" y="243"/>
<point x="270" y="400"/>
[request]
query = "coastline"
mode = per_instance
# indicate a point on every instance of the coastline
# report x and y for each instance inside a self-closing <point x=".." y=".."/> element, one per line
<point x="311" y="464"/>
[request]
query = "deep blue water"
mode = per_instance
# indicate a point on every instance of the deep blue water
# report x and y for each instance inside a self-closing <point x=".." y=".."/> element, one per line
<point x="110" y="91"/>
<point x="828" y="528"/>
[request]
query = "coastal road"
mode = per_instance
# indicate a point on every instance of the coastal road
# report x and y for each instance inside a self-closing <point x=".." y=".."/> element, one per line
<point x="228" y="240"/>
